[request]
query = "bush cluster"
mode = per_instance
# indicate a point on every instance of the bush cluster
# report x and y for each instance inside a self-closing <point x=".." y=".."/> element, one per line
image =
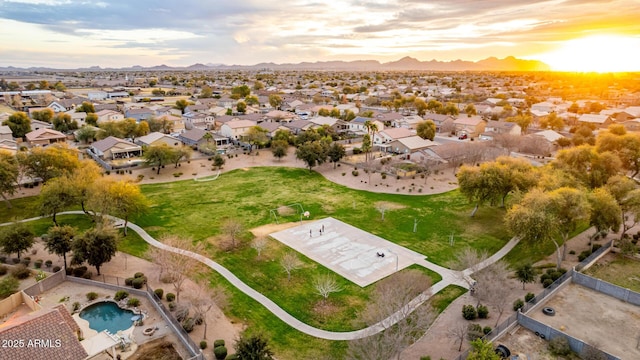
<point x="92" y="296"/>
<point x="170" y="297"/>
<point x="219" y="350"/>
<point x="469" y="312"/>
<point x="20" y="272"/>
<point x="483" y="312"/>
<point x="159" y="293"/>
<point x="120" y="294"/>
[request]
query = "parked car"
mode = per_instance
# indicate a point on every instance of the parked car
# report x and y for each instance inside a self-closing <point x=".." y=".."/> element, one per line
<point x="462" y="137"/>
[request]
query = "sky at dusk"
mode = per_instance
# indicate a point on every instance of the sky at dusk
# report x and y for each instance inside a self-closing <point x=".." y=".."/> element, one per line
<point x="604" y="35"/>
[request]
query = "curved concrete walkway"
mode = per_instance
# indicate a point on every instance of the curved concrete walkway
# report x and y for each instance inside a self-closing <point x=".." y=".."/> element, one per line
<point x="449" y="277"/>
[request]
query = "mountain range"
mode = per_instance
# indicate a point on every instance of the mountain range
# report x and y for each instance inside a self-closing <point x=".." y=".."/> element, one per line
<point x="407" y="63"/>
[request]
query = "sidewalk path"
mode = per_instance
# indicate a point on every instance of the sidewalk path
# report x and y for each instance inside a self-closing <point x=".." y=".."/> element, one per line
<point x="449" y="277"/>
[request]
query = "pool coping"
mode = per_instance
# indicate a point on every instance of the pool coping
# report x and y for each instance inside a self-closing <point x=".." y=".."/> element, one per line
<point x="88" y="332"/>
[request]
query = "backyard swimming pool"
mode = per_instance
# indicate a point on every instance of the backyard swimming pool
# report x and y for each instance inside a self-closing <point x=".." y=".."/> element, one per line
<point x="107" y="315"/>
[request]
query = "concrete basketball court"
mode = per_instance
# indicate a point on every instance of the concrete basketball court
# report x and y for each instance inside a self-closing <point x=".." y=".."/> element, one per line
<point x="347" y="250"/>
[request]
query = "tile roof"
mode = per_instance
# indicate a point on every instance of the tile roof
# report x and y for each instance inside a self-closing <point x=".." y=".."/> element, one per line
<point x="43" y="134"/>
<point x="45" y="335"/>
<point x="109" y="142"/>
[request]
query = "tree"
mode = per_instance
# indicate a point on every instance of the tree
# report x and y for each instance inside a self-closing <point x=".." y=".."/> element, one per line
<point x="421" y="106"/>
<point x="233" y="228"/>
<point x="49" y="162"/>
<point x="240" y="92"/>
<point x="158" y="155"/>
<point x="56" y="195"/>
<point x="96" y="246"/>
<point x="8" y="286"/>
<point x="241" y="106"/>
<point x="16" y="238"/>
<point x="86" y="107"/>
<point x="534" y="221"/>
<point x="206" y="92"/>
<point x="218" y="161"/>
<point x="605" y="212"/>
<point x="59" y="241"/>
<point x="86" y="134"/>
<point x="181" y="105"/>
<point x="458" y="332"/>
<point x="257" y="136"/>
<point x="19" y="123"/>
<point x="204" y="299"/>
<point x="252" y="100"/>
<point x="252" y="347"/>
<point x="570" y="207"/>
<point x="275" y="101"/>
<point x="82" y="181"/>
<point x="470" y="110"/>
<point x="279" y="148"/>
<point x="9" y="172"/>
<point x="372" y="128"/>
<point x="526" y="274"/>
<point x="336" y="152"/>
<point x="290" y="262"/>
<point x="426" y="129"/>
<point x="552" y="121"/>
<point x="312" y="153"/>
<point x="522" y="120"/>
<point x="491" y="288"/>
<point x="482" y="350"/>
<point x="63" y="123"/>
<point x="119" y="198"/>
<point x="259" y="244"/>
<point x="627" y="195"/>
<point x="180" y="153"/>
<point x="326" y="284"/>
<point x="45" y="115"/>
<point x="392" y="298"/>
<point x="176" y="267"/>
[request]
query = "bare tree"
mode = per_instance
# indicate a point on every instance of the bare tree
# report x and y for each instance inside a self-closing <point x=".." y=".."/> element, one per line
<point x="325" y="285"/>
<point x="394" y="298"/>
<point x="492" y="289"/>
<point x="176" y="266"/>
<point x="290" y="262"/>
<point x="458" y="333"/>
<point x="233" y="228"/>
<point x="205" y="299"/>
<point x="468" y="259"/>
<point x="259" y="244"/>
<point x="382" y="208"/>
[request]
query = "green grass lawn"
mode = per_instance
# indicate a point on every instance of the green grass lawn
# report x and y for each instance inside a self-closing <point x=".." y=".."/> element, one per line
<point x="621" y="271"/>
<point x="196" y="210"/>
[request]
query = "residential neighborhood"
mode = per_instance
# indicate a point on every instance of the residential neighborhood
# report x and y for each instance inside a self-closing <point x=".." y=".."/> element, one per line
<point x="445" y="173"/>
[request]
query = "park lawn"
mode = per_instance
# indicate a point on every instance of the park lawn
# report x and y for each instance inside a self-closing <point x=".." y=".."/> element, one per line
<point x="622" y="271"/>
<point x="21" y="208"/>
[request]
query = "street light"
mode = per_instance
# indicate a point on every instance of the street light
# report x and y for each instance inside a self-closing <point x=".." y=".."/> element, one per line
<point x="389" y="250"/>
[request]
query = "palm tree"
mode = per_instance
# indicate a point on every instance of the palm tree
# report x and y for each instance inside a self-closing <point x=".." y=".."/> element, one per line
<point x="372" y="128"/>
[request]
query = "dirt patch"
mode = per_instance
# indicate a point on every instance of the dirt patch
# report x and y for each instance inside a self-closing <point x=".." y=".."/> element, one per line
<point x="265" y="230"/>
<point x="388" y="205"/>
<point x="156" y="350"/>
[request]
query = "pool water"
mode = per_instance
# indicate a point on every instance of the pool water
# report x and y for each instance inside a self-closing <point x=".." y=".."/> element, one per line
<point x="107" y="316"/>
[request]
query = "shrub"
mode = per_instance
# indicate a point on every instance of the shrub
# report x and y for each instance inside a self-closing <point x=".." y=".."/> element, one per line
<point x="8" y="286"/>
<point x="425" y="357"/>
<point x="203" y="344"/>
<point x="170" y="297"/>
<point x="547" y="283"/>
<point x="88" y="275"/>
<point x="483" y="311"/>
<point x="383" y="176"/>
<point x="218" y="342"/>
<point x="198" y="319"/>
<point x="529" y="297"/>
<point x="596" y="247"/>
<point x="20" y="272"/>
<point x="233" y="357"/>
<point x="92" y="296"/>
<point x="559" y="346"/>
<point x="133" y="302"/>
<point x="128" y="281"/>
<point x="220" y="352"/>
<point x="68" y="271"/>
<point x="38" y="264"/>
<point x="15" y="260"/>
<point x="469" y="312"/>
<point x="159" y="293"/>
<point x="188" y="325"/>
<point x="474" y="331"/>
<point x="138" y="282"/>
<point x="56" y="268"/>
<point x="75" y="306"/>
<point x="172" y="306"/>
<point x="138" y="275"/>
<point x="355" y="173"/>
<point x="120" y="294"/>
<point x="25" y="261"/>
<point x="583" y="255"/>
<point x="518" y="304"/>
<point x="182" y="312"/>
<point x="3" y="269"/>
<point x="48" y="263"/>
<point x="572" y="252"/>
<point x="486" y="330"/>
<point x="79" y="271"/>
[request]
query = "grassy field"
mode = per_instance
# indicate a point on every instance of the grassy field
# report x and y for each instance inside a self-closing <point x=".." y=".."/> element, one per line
<point x="622" y="271"/>
<point x="196" y="210"/>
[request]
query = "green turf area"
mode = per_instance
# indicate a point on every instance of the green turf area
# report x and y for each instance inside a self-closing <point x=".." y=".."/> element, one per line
<point x="621" y="271"/>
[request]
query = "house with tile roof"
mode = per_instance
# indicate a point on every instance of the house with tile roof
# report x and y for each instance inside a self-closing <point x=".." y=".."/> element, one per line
<point x="157" y="138"/>
<point x="44" y="137"/>
<point x="236" y="129"/>
<point x="471" y="126"/>
<point x="114" y="148"/>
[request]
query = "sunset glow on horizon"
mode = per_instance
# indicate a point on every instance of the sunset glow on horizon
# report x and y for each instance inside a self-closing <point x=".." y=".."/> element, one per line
<point x="597" y="53"/>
